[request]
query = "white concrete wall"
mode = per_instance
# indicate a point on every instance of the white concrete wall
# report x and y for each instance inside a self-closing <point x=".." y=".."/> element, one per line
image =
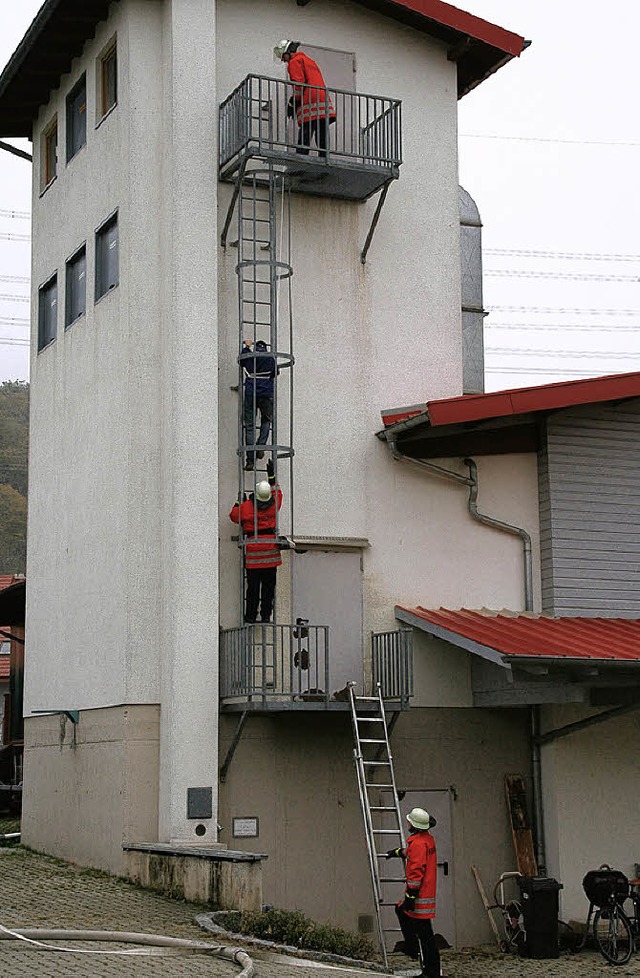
<point x="380" y="335"/>
<point x="123" y="523"/>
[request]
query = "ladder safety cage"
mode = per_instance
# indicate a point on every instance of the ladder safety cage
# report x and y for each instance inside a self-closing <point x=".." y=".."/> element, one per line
<point x="376" y="778"/>
<point x="264" y="301"/>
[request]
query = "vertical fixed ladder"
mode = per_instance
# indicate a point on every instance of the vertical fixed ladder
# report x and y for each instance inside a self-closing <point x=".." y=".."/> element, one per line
<point x="382" y="823"/>
<point x="264" y="304"/>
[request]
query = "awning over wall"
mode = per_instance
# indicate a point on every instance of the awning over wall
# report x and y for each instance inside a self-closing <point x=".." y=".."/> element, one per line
<point x="541" y="659"/>
<point x="496" y="422"/>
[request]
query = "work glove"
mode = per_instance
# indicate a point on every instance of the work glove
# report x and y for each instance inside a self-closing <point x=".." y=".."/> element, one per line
<point x="290" y="108"/>
<point x="409" y="902"/>
<point x="271" y="475"/>
<point x="395" y="852"/>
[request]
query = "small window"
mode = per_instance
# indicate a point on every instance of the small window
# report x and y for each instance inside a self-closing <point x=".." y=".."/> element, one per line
<point x="108" y="79"/>
<point x="76" y="287"/>
<point x="76" y="118"/>
<point x="107" y="256"/>
<point x="49" y="155"/>
<point x="47" y="312"/>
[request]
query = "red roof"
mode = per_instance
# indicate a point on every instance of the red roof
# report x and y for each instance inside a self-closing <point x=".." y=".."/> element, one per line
<point x="520" y="400"/>
<point x="5" y="661"/>
<point x="458" y="20"/>
<point x="528" y="635"/>
<point x="6" y="580"/>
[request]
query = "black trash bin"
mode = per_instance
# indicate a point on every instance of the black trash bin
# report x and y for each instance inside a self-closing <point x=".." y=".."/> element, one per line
<point x="539" y="896"/>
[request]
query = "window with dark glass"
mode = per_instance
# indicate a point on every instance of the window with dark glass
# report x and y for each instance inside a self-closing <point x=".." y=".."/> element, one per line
<point x="76" y="118"/>
<point x="107" y="256"/>
<point x="108" y="80"/>
<point x="76" y="286"/>
<point x="49" y="155"/>
<point x="47" y="312"/>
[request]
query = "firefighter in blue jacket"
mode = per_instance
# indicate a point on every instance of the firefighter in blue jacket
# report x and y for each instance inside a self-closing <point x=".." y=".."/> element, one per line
<point x="259" y="374"/>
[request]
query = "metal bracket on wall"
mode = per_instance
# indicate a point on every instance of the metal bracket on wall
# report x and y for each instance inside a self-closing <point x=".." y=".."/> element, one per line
<point x="232" y="202"/>
<point x="73" y="715"/>
<point x="224" y="770"/>
<point x="374" y="221"/>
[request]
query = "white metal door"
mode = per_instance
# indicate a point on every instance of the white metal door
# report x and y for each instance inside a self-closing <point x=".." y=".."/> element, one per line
<point x="438" y="804"/>
<point x="327" y="590"/>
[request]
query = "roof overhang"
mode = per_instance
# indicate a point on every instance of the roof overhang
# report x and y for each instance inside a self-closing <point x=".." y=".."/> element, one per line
<point x="61" y="28"/>
<point x="527" y="659"/>
<point x="500" y="422"/>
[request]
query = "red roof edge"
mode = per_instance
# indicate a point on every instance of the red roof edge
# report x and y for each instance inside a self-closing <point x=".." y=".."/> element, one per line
<point x="523" y="400"/>
<point x="460" y="20"/>
<point x="394" y="415"/>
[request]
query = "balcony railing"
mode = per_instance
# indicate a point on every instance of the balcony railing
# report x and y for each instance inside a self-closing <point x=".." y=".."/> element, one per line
<point x="364" y="139"/>
<point x="392" y="664"/>
<point x="268" y="666"/>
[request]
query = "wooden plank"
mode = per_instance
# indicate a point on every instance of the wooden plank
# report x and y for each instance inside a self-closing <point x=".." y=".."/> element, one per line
<point x="520" y="824"/>
<point x="487" y="907"/>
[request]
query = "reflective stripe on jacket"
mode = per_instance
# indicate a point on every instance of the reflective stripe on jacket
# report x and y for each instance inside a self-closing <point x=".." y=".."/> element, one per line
<point x="421" y="870"/>
<point x="262" y="519"/>
<point x="311" y="103"/>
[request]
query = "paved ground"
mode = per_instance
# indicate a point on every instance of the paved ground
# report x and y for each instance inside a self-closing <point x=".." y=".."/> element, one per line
<point x="36" y="891"/>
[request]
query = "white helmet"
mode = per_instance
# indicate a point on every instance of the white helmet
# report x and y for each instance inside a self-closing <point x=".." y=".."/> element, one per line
<point x="263" y="491"/>
<point x="280" y="48"/>
<point x="420" y="819"/>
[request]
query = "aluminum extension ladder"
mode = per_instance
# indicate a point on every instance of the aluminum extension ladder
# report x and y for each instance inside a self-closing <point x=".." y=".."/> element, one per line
<point x="383" y="823"/>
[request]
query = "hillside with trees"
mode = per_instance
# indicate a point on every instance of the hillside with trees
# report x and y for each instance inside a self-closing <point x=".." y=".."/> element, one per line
<point x="14" y="450"/>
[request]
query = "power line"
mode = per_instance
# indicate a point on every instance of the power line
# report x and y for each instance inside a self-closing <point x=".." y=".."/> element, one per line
<point x="5" y="321"/>
<point x="549" y="139"/>
<point x="14" y="341"/>
<point x="570" y="255"/>
<point x="586" y="327"/>
<point x="547" y="371"/>
<point x="561" y="309"/>
<point x="573" y="276"/>
<point x="14" y="237"/>
<point x="17" y="279"/>
<point x="9" y="297"/>
<point x="602" y="354"/>
<point x="16" y="215"/>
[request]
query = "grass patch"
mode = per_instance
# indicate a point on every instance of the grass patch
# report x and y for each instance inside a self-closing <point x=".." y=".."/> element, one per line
<point x="295" y="928"/>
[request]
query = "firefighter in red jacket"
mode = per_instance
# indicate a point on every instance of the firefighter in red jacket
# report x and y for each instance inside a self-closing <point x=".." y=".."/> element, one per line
<point x="416" y="911"/>
<point x="257" y="516"/>
<point x="310" y="100"/>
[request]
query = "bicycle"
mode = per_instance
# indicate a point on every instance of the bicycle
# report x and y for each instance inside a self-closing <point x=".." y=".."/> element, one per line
<point x="613" y="930"/>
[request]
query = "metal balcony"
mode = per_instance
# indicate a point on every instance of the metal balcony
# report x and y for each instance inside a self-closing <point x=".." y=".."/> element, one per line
<point x="267" y="667"/>
<point x="364" y="149"/>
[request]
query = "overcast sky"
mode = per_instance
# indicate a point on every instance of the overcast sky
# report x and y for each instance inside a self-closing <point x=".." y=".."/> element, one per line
<point x="549" y="150"/>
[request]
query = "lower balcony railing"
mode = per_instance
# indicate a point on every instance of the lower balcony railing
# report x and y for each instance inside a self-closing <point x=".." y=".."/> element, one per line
<point x="273" y="665"/>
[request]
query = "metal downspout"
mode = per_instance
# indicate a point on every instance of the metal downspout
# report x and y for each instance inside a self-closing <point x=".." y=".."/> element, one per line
<point x="536" y="781"/>
<point x="536" y="770"/>
<point x="507" y="527"/>
<point x="430" y="466"/>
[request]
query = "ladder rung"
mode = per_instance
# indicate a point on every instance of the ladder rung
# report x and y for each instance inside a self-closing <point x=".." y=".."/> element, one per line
<point x="370" y="719"/>
<point x="381" y="808"/>
<point x="366" y="699"/>
<point x="385" y="832"/>
<point x="374" y="784"/>
<point x="392" y="879"/>
<point x="377" y="763"/>
<point x="370" y="740"/>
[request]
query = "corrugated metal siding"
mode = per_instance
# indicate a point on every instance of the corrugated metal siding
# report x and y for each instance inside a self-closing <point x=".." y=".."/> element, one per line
<point x="589" y="492"/>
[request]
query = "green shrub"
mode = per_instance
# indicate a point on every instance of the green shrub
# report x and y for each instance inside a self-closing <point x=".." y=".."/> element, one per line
<point x="293" y="927"/>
